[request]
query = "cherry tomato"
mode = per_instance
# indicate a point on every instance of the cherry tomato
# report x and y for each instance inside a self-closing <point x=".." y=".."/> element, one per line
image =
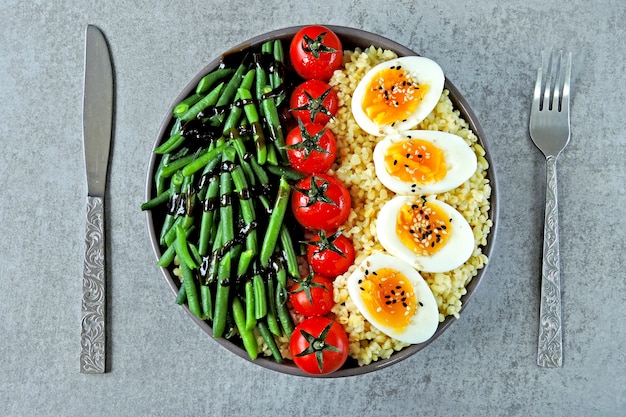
<point x="314" y="101"/>
<point x="319" y="345"/>
<point x="312" y="296"/>
<point x="330" y="256"/>
<point x="320" y="202"/>
<point x="311" y="148"/>
<point x="315" y="52"/>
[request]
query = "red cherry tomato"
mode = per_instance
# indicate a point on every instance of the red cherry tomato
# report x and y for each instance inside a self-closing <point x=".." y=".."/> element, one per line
<point x="330" y="256"/>
<point x="315" y="52"/>
<point x="321" y="202"/>
<point x="319" y="345"/>
<point x="314" y="101"/>
<point x="311" y="148"/>
<point x="312" y="296"/>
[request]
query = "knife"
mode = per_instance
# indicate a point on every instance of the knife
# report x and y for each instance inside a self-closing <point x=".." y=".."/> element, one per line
<point x="97" y="124"/>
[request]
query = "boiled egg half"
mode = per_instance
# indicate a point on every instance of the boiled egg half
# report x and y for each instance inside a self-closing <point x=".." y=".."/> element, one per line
<point x="394" y="298"/>
<point x="396" y="95"/>
<point x="429" y="234"/>
<point x="423" y="162"/>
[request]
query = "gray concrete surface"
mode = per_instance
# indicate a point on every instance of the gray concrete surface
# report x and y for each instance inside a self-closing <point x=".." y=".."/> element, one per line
<point x="161" y="364"/>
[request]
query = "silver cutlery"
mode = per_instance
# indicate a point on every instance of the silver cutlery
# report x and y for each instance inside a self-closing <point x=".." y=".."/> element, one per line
<point x="97" y="125"/>
<point x="550" y="132"/>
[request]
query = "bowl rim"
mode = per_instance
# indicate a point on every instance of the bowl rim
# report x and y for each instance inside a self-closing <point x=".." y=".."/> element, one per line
<point x="351" y="37"/>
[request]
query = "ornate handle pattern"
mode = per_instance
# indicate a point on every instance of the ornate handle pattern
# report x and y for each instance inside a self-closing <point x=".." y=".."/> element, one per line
<point x="92" y="337"/>
<point x="550" y="348"/>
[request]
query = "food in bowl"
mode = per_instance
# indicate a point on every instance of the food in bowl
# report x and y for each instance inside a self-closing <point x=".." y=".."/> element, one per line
<point x="240" y="139"/>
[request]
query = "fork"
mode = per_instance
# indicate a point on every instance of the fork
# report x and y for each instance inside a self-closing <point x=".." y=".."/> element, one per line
<point x="550" y="132"/>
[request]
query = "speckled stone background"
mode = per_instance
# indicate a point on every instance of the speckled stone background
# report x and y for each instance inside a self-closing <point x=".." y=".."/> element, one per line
<point x="161" y="364"/>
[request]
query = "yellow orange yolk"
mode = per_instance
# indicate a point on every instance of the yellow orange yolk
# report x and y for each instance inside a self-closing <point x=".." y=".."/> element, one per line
<point x="415" y="161"/>
<point x="392" y="95"/>
<point x="389" y="297"/>
<point x="423" y="227"/>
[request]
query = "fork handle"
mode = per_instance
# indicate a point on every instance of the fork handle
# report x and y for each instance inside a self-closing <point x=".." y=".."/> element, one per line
<point x="550" y="346"/>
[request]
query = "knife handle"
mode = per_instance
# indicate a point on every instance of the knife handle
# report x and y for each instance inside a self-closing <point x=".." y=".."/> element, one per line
<point x="93" y="336"/>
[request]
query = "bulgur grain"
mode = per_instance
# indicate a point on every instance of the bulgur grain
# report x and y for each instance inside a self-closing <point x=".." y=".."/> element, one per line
<point x="355" y="167"/>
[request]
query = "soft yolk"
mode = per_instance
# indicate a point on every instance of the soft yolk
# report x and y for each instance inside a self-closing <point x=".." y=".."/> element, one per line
<point x="423" y="227"/>
<point x="388" y="296"/>
<point x="415" y="161"/>
<point x="392" y="95"/>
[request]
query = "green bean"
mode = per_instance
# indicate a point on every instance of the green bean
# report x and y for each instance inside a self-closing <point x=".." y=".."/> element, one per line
<point x="270" y="341"/>
<point x="176" y="127"/>
<point x="202" y="160"/>
<point x="259" y="172"/>
<point x="170" y="235"/>
<point x="230" y="125"/>
<point x="177" y="164"/>
<point x="250" y="316"/>
<point x="255" y="122"/>
<point x="193" y="249"/>
<point x="170" y="219"/>
<point x="260" y="298"/>
<point x="275" y="222"/>
<point x="281" y="273"/>
<point x="182" y="107"/>
<point x="285" y="171"/>
<point x="282" y="310"/>
<point x="206" y="301"/>
<point x="289" y="252"/>
<point x="209" y="168"/>
<point x="182" y="250"/>
<point x="209" y="100"/>
<point x="276" y="79"/>
<point x="170" y="145"/>
<point x="261" y="77"/>
<point x="244" y="262"/>
<point x="273" y="121"/>
<point x="271" y="316"/>
<point x="230" y="91"/>
<point x="208" y="216"/>
<point x="181" y="297"/>
<point x="186" y="220"/>
<point x="247" y="207"/>
<point x="154" y="202"/>
<point x="159" y="180"/>
<point x="247" y="336"/>
<point x="226" y="208"/>
<point x="213" y="268"/>
<point x="272" y="157"/>
<point x="211" y="78"/>
<point x="168" y="256"/>
<point x="190" y="289"/>
<point x="221" y="296"/>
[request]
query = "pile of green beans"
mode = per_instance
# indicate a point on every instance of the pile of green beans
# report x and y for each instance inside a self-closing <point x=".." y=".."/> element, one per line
<point x="222" y="190"/>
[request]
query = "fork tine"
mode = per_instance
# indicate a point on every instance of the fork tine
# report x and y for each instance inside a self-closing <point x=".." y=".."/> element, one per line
<point x="548" y="63"/>
<point x="557" y="63"/>
<point x="566" y="83"/>
<point x="537" y="93"/>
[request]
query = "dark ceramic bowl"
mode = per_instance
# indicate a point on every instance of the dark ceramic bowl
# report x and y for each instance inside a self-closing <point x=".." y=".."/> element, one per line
<point x="351" y="38"/>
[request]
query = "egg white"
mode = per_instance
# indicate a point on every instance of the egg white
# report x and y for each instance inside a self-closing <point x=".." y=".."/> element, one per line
<point x="455" y="253"/>
<point x="423" y="324"/>
<point x="460" y="159"/>
<point x="424" y="71"/>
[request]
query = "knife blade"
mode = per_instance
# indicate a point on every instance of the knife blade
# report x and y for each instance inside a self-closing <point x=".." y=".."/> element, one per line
<point x="97" y="126"/>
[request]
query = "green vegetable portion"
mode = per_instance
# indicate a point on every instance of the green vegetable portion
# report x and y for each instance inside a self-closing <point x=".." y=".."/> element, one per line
<point x="221" y="195"/>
